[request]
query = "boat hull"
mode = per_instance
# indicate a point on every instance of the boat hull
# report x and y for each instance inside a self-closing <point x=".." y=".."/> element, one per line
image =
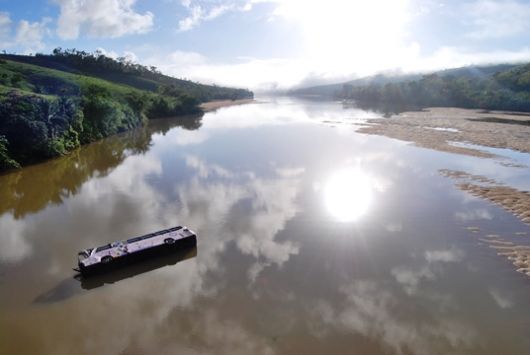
<point x="131" y="258"/>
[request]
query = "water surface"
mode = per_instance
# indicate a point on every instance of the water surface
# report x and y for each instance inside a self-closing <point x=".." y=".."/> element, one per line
<point x="312" y="239"/>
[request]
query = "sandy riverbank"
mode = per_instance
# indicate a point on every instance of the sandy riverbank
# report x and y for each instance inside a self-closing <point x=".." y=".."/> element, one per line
<point x="512" y="200"/>
<point x="438" y="128"/>
<point x="214" y="105"/>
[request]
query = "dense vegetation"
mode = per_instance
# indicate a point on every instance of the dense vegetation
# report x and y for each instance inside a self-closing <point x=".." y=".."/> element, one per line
<point x="502" y="87"/>
<point x="126" y="72"/>
<point x="51" y="104"/>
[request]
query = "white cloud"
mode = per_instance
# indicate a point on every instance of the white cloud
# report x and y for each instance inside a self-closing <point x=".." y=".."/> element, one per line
<point x="13" y="245"/>
<point x="208" y="10"/>
<point x="257" y="234"/>
<point x="370" y="310"/>
<point x="130" y="56"/>
<point x="250" y="72"/>
<point x="204" y="170"/>
<point x="453" y="57"/>
<point x="496" y="19"/>
<point x="192" y="20"/>
<point x="101" y="18"/>
<point x="411" y="278"/>
<point x="30" y="35"/>
<point x="473" y="215"/>
<point x="283" y="73"/>
<point x="452" y="255"/>
<point x="5" y="28"/>
<point x="184" y="59"/>
<point x="339" y="41"/>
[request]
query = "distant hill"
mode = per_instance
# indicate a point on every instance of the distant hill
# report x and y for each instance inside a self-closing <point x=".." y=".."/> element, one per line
<point x="51" y="104"/>
<point x="334" y="90"/>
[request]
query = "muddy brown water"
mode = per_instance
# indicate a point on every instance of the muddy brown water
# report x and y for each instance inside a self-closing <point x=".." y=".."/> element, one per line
<point x="312" y="239"/>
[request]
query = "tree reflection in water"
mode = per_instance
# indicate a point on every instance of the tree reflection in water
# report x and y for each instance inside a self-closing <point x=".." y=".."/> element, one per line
<point x="31" y="189"/>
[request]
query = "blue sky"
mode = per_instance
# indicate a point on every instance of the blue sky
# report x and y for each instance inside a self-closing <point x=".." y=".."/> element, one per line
<point x="275" y="43"/>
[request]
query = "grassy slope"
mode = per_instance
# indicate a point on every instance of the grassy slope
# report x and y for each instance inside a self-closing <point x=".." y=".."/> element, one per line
<point x="41" y="80"/>
<point x="149" y="81"/>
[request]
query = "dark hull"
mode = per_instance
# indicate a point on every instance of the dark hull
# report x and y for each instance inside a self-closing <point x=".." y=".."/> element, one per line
<point x="132" y="258"/>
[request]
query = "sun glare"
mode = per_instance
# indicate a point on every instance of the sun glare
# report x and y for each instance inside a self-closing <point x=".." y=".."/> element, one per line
<point x="339" y="34"/>
<point x="348" y="194"/>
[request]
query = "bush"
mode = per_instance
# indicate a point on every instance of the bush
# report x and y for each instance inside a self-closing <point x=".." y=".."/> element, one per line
<point x="105" y="115"/>
<point x="36" y="127"/>
<point x="5" y="161"/>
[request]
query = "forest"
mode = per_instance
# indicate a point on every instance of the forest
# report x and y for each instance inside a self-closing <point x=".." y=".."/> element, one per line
<point x="52" y="104"/>
<point x="500" y="87"/>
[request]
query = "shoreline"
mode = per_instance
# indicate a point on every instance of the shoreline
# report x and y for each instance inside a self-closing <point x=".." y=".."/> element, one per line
<point x="439" y="128"/>
<point x="214" y="105"/>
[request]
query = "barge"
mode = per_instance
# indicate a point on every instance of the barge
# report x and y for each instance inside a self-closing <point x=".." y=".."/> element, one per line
<point x="120" y="253"/>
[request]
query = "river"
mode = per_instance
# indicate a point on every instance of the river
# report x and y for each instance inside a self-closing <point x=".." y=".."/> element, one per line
<point x="312" y="239"/>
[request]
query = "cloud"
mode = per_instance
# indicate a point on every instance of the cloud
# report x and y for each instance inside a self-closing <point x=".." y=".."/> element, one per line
<point x="246" y="72"/>
<point x="283" y="73"/>
<point x="410" y="278"/>
<point x="496" y="19"/>
<point x="5" y="27"/>
<point x="453" y="57"/>
<point x="13" y="245"/>
<point x="473" y="215"/>
<point x="199" y="12"/>
<point x="370" y="49"/>
<point x="372" y="311"/>
<point x="206" y="170"/>
<point x="106" y="53"/>
<point x="216" y="192"/>
<point x="101" y="18"/>
<point x="185" y="59"/>
<point x="127" y="55"/>
<point x="30" y="35"/>
<point x="452" y="255"/>
<point x="130" y="56"/>
<point x="205" y="202"/>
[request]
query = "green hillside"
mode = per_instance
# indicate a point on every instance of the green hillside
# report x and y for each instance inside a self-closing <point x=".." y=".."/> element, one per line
<point x="51" y="104"/>
<point x="121" y="71"/>
<point x="498" y="87"/>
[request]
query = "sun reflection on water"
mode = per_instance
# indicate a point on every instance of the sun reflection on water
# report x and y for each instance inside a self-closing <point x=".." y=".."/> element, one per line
<point x="348" y="194"/>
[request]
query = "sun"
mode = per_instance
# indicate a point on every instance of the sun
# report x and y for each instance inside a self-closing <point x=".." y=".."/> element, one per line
<point x="348" y="194"/>
<point x="338" y="35"/>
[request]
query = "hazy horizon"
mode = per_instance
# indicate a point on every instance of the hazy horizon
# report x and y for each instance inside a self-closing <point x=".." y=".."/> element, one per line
<point x="275" y="44"/>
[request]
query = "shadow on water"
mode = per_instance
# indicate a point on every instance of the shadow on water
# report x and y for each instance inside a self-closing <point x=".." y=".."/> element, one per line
<point x="78" y="284"/>
<point x="32" y="188"/>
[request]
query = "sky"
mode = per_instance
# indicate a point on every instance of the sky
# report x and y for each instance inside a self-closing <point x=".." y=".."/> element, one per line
<point x="275" y="44"/>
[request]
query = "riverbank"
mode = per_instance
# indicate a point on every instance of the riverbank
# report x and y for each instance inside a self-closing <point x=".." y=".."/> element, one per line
<point x="217" y="104"/>
<point x="453" y="129"/>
